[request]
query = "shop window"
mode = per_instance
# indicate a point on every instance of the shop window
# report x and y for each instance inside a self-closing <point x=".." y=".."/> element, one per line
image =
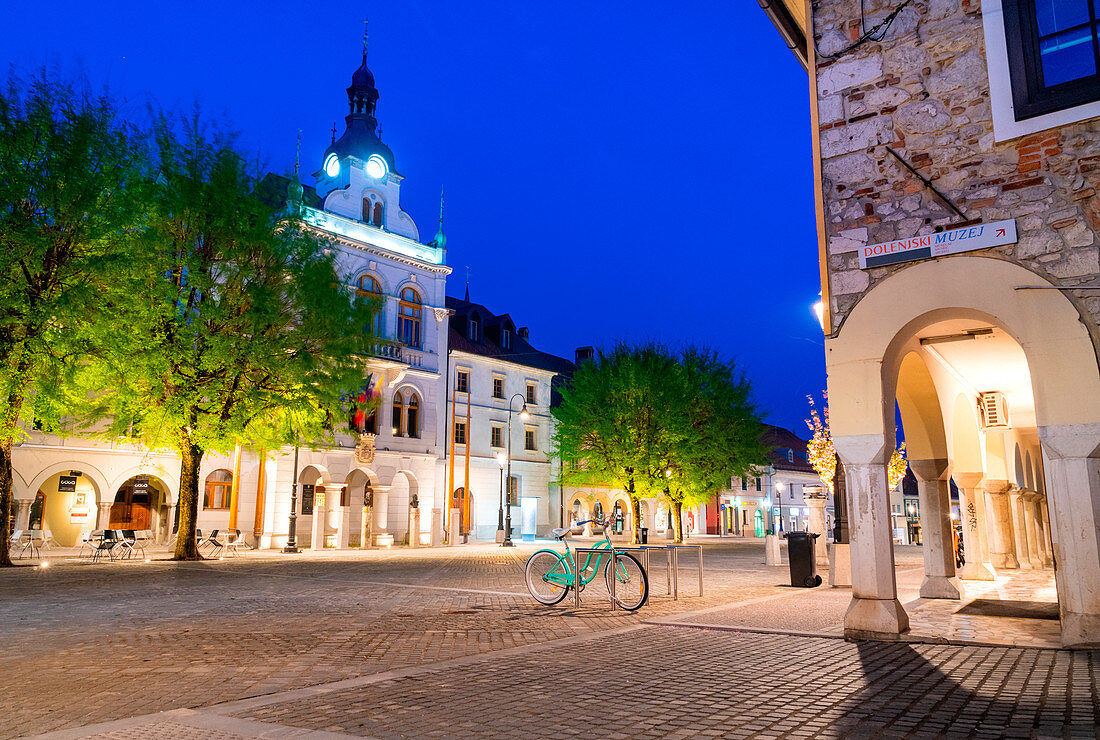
<point x="1053" y="54"/>
<point x="219" y="486"/>
<point x="38" y="509"/>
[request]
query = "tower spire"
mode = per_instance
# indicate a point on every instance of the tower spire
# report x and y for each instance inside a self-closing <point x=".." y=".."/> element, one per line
<point x="467" y="299"/>
<point x="297" y="152"/>
<point x="440" y="238"/>
<point x="364" y="39"/>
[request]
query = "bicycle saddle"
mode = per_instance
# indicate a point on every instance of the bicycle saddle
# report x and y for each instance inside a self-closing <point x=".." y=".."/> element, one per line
<point x="559" y="533"/>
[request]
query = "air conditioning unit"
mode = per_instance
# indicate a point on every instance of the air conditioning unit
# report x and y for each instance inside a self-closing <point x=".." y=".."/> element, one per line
<point x="994" y="410"/>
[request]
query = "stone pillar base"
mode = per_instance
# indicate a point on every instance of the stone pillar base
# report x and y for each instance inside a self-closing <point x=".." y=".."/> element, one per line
<point x="941" y="587"/>
<point x="317" y="532"/>
<point x="414" y="528"/>
<point x="978" y="572"/>
<point x="771" y="550"/>
<point x="1004" y="561"/>
<point x="1080" y="631"/>
<point x="383" y="540"/>
<point x="875" y="619"/>
<point x="840" y="565"/>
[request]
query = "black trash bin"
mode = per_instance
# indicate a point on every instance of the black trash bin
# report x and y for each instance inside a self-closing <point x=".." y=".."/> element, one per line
<point x="800" y="554"/>
<point x="645" y="535"/>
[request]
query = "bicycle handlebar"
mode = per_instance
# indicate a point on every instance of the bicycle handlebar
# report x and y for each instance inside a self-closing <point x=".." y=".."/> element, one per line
<point x="601" y="522"/>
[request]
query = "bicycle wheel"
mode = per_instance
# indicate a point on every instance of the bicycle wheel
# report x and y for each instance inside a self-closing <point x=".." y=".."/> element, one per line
<point x="631" y="584"/>
<point x="546" y="571"/>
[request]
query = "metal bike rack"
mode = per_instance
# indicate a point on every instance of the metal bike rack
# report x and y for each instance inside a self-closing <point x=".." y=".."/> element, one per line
<point x="577" y="571"/>
<point x="674" y="551"/>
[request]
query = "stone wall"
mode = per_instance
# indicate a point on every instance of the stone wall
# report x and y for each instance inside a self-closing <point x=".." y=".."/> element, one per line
<point x="924" y="91"/>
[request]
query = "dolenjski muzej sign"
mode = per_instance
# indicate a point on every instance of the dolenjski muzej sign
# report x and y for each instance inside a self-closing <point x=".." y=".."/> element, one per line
<point x="925" y="246"/>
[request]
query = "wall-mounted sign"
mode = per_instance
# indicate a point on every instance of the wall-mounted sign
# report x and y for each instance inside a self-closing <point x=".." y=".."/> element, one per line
<point x="911" y="248"/>
<point x="78" y="512"/>
<point x="67" y="484"/>
<point x="307" y="499"/>
<point x="141" y="485"/>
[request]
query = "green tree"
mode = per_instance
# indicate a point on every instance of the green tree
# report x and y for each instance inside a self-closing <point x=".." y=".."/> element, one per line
<point x="608" y="419"/>
<point x="70" y="205"/>
<point x="711" y="433"/>
<point x="241" y="331"/>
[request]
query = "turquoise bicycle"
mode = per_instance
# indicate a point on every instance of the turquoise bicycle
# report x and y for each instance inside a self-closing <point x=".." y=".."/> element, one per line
<point x="550" y="574"/>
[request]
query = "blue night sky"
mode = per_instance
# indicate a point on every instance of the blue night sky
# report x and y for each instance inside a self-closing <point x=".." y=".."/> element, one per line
<point x="612" y="169"/>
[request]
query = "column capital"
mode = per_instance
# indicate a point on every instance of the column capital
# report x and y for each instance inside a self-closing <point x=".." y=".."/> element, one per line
<point x="1070" y="440"/>
<point x="861" y="449"/>
<point x="969" y="481"/>
<point x="996" y="485"/>
<point x="931" y="469"/>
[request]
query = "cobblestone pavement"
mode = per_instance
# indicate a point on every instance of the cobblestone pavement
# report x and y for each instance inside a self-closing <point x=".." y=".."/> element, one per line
<point x="91" y="644"/>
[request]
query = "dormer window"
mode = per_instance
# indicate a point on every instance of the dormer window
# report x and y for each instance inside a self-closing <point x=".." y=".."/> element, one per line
<point x="473" y="326"/>
<point x="505" y="338"/>
<point x="790" y="455"/>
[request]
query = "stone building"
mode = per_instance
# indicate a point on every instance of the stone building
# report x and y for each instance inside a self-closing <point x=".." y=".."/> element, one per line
<point x="957" y="159"/>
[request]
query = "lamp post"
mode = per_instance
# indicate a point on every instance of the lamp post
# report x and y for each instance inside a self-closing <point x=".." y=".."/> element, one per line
<point x="500" y="510"/>
<point x="508" y="516"/>
<point x="291" y="546"/>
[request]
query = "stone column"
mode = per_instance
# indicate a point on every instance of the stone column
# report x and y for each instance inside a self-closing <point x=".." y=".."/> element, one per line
<point x="414" y="527"/>
<point x="1044" y="520"/>
<point x="1029" y="502"/>
<point x="974" y="523"/>
<point x="437" y="527"/>
<point x="1002" y="547"/>
<point x="169" y="523"/>
<point x="934" y="491"/>
<point x="317" y="532"/>
<point x="103" y="514"/>
<point x="365" y="527"/>
<point x="875" y="610"/>
<point x="452" y="533"/>
<point x="816" y="503"/>
<point x="23" y="513"/>
<point x="343" y="527"/>
<point x="1019" y="533"/>
<point x="1071" y="454"/>
<point x="381" y="512"/>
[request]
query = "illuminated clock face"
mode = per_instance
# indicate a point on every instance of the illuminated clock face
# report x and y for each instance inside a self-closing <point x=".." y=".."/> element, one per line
<point x="332" y="165"/>
<point x="376" y="167"/>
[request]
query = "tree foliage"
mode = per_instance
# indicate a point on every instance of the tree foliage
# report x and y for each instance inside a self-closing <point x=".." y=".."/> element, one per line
<point x="655" y="423"/>
<point x="240" y="329"/>
<point x="71" y="176"/>
<point x="822" y="455"/>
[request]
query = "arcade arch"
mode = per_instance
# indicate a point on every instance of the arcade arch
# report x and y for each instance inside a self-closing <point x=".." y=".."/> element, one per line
<point x="973" y="332"/>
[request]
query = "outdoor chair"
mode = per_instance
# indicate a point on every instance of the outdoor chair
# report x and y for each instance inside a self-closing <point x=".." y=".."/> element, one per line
<point x="88" y="539"/>
<point x="213" y="541"/>
<point x="47" y="539"/>
<point x="129" y="544"/>
<point x="106" y="545"/>
<point x="33" y="541"/>
<point x="234" y="540"/>
<point x="16" y="540"/>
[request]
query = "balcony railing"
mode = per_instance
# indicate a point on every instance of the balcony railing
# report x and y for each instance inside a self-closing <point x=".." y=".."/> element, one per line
<point x="400" y="353"/>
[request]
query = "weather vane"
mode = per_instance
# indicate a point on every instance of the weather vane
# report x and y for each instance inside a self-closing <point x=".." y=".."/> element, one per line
<point x="364" y="38"/>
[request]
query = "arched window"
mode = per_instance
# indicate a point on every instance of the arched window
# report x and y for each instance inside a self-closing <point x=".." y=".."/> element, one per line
<point x="412" y="416"/>
<point x="398" y="408"/>
<point x="410" y="309"/>
<point x="370" y="289"/>
<point x="219" y="486"/>
<point x="373" y="209"/>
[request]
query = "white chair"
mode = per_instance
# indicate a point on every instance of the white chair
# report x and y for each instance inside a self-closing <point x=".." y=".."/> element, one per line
<point x="47" y="538"/>
<point x="33" y="541"/>
<point x="86" y="540"/>
<point x="16" y="540"/>
<point x="234" y="540"/>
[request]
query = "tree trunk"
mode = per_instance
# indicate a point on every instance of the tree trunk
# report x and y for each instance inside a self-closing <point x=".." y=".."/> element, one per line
<point x="5" y="503"/>
<point x="677" y="521"/>
<point x="191" y="454"/>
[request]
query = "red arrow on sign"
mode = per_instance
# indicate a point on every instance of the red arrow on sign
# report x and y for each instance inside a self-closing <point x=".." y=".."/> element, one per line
<point x="1000" y="232"/>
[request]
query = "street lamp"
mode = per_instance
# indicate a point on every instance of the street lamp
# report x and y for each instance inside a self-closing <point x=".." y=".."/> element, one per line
<point x="779" y="506"/>
<point x="500" y="512"/>
<point x="508" y="515"/>
<point x="291" y="546"/>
